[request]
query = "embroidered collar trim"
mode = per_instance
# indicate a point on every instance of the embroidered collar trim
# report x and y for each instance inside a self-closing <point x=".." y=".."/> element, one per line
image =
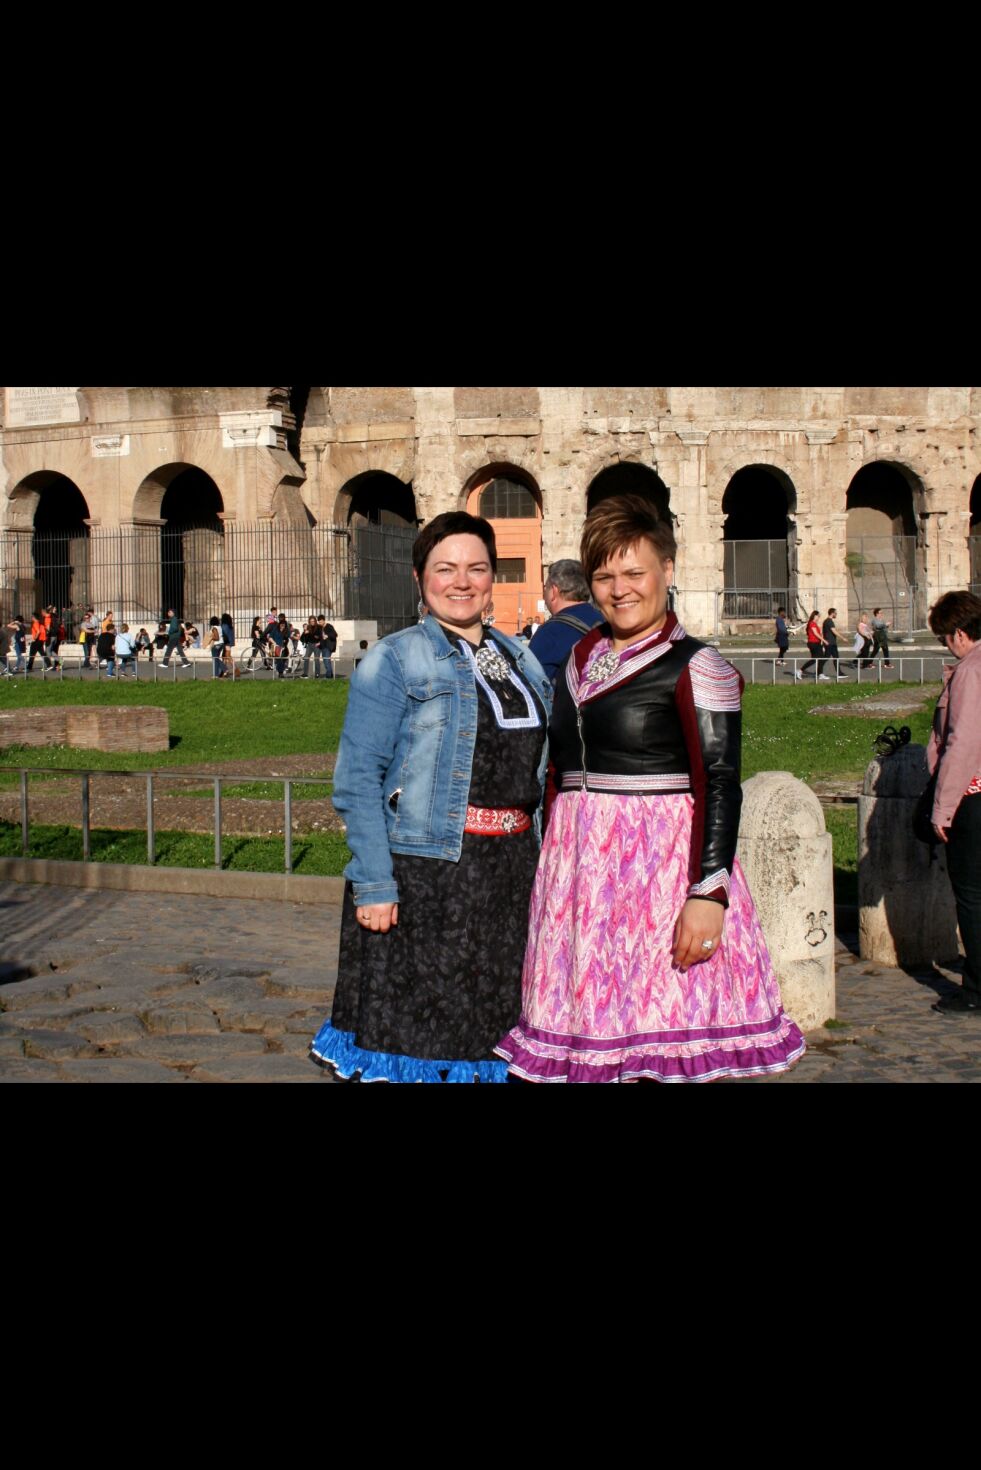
<point x="584" y="687"/>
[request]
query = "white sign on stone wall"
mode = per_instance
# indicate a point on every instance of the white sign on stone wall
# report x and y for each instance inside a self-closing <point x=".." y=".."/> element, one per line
<point x="27" y="406"/>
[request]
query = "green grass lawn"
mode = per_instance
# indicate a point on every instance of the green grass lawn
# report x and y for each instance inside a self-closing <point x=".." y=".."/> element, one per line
<point x="212" y="720"/>
<point x="780" y="735"/>
<point x="219" y="721"/>
<point x="324" y="853"/>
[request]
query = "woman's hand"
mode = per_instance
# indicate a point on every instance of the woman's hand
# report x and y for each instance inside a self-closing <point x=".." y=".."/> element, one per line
<point x="700" y="921"/>
<point x="941" y="834"/>
<point x="378" y="917"/>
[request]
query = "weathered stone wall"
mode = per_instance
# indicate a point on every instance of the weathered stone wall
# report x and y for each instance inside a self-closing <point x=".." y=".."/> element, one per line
<point x="113" y="728"/>
<point x="443" y="440"/>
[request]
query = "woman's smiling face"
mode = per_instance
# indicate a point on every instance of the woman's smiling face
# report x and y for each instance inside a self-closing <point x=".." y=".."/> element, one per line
<point x="457" y="581"/>
<point x="631" y="591"/>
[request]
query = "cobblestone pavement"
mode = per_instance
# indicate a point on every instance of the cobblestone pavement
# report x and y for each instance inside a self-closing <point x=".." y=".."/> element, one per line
<point x="104" y="987"/>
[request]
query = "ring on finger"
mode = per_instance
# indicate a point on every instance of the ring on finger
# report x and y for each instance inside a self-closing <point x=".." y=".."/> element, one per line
<point x="708" y="943"/>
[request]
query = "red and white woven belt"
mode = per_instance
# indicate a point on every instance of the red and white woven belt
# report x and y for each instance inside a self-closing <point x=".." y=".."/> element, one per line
<point x="496" y="821"/>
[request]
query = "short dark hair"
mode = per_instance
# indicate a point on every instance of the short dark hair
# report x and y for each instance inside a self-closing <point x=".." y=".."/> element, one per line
<point x="832" y="611"/>
<point x="568" y="579"/>
<point x="618" y="522"/>
<point x="957" y="610"/>
<point x="452" y="523"/>
<point x="781" y="610"/>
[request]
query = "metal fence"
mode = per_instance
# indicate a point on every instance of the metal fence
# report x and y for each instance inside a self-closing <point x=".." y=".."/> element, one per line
<point x="757" y="578"/>
<point x="882" y="573"/>
<point x="140" y="571"/>
<point x="152" y="780"/>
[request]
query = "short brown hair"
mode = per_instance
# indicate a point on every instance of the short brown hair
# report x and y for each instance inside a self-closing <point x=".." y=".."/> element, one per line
<point x="619" y="522"/>
<point x="452" y="523"/>
<point x="957" y="610"/>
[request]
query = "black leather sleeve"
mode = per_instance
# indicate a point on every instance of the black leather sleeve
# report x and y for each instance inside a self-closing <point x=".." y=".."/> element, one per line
<point x="720" y="738"/>
<point x="709" y="696"/>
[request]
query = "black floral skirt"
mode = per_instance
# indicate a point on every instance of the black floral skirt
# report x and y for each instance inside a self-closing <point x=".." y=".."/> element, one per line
<point x="444" y="984"/>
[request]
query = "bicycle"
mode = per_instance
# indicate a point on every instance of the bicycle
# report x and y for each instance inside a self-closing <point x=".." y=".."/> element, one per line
<point x="247" y="658"/>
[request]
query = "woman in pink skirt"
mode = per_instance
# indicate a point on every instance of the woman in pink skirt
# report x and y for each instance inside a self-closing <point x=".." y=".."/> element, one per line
<point x="645" y="954"/>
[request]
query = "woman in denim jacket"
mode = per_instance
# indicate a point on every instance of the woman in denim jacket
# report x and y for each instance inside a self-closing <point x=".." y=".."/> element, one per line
<point x="439" y="779"/>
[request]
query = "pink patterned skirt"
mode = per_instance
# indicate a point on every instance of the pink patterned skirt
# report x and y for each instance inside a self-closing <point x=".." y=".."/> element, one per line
<point x="602" y="1000"/>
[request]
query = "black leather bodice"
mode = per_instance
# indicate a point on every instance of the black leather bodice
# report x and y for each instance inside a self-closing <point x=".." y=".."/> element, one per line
<point x="633" y="730"/>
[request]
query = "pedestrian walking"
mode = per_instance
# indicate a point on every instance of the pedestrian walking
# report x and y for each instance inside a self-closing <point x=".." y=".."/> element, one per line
<point x="312" y="640"/>
<point x="215" y="644"/>
<point x="328" y="635"/>
<point x="18" y="630"/>
<point x="39" y="638"/>
<point x="880" y="636"/>
<point x="816" y="648"/>
<point x="829" y="632"/>
<point x="174" y="640"/>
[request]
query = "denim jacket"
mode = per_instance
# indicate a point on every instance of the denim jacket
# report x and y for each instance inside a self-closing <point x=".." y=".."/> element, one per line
<point x="403" y="770"/>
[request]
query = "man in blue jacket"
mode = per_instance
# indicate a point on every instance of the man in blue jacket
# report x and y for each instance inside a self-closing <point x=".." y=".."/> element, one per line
<point x="572" y="615"/>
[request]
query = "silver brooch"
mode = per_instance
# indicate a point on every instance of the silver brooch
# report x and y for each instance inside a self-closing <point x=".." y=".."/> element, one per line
<point x="603" y="667"/>
<point x="492" y="665"/>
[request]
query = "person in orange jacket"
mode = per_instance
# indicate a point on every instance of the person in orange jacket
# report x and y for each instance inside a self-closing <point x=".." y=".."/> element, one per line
<point x="39" y="637"/>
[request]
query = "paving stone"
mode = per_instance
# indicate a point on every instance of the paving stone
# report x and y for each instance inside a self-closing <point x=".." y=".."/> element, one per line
<point x="229" y="990"/>
<point x="297" y="1043"/>
<point x="11" y="1046"/>
<point x="191" y="1049"/>
<point x="309" y="1022"/>
<point x="267" y="1068"/>
<point x="267" y="1016"/>
<point x="135" y="990"/>
<point x="106" y="1027"/>
<point x="179" y="1020"/>
<point x="55" y="1046"/>
<point x="312" y="985"/>
<point x="20" y="995"/>
<point x="118" y="1069"/>
<point x="22" y="1069"/>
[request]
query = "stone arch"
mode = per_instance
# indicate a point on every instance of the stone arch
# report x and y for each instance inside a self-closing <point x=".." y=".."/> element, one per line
<point x="885" y="555"/>
<point x="510" y="498"/>
<point x="48" y="559"/>
<point x="375" y="498"/>
<point x="179" y="530"/>
<point x="630" y="477"/>
<point x="974" y="537"/>
<point x="760" y="542"/>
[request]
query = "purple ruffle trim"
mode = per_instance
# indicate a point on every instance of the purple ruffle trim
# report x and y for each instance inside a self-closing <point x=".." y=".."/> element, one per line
<point x="542" y="1056"/>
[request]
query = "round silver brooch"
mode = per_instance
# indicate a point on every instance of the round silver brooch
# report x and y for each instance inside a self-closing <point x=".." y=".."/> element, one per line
<point x="604" y="666"/>
<point x="492" y="664"/>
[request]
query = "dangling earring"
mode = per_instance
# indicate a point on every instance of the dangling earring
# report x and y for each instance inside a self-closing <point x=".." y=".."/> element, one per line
<point x="487" y="616"/>
<point x="421" y="609"/>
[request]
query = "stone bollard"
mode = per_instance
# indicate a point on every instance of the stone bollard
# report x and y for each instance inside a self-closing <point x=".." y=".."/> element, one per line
<point x="906" y="913"/>
<point x="785" y="853"/>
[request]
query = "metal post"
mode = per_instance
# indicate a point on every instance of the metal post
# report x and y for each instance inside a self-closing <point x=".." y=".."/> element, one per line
<point x="25" y="831"/>
<point x="217" y="821"/>
<point x="921" y="669"/>
<point x="174" y="666"/>
<point x="151" y="836"/>
<point x="288" y="805"/>
<point x="774" y="679"/>
<point x="86" y="834"/>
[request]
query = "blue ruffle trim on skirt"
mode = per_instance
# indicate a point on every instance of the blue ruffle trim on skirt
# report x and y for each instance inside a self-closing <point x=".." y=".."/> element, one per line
<point x="338" y="1050"/>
